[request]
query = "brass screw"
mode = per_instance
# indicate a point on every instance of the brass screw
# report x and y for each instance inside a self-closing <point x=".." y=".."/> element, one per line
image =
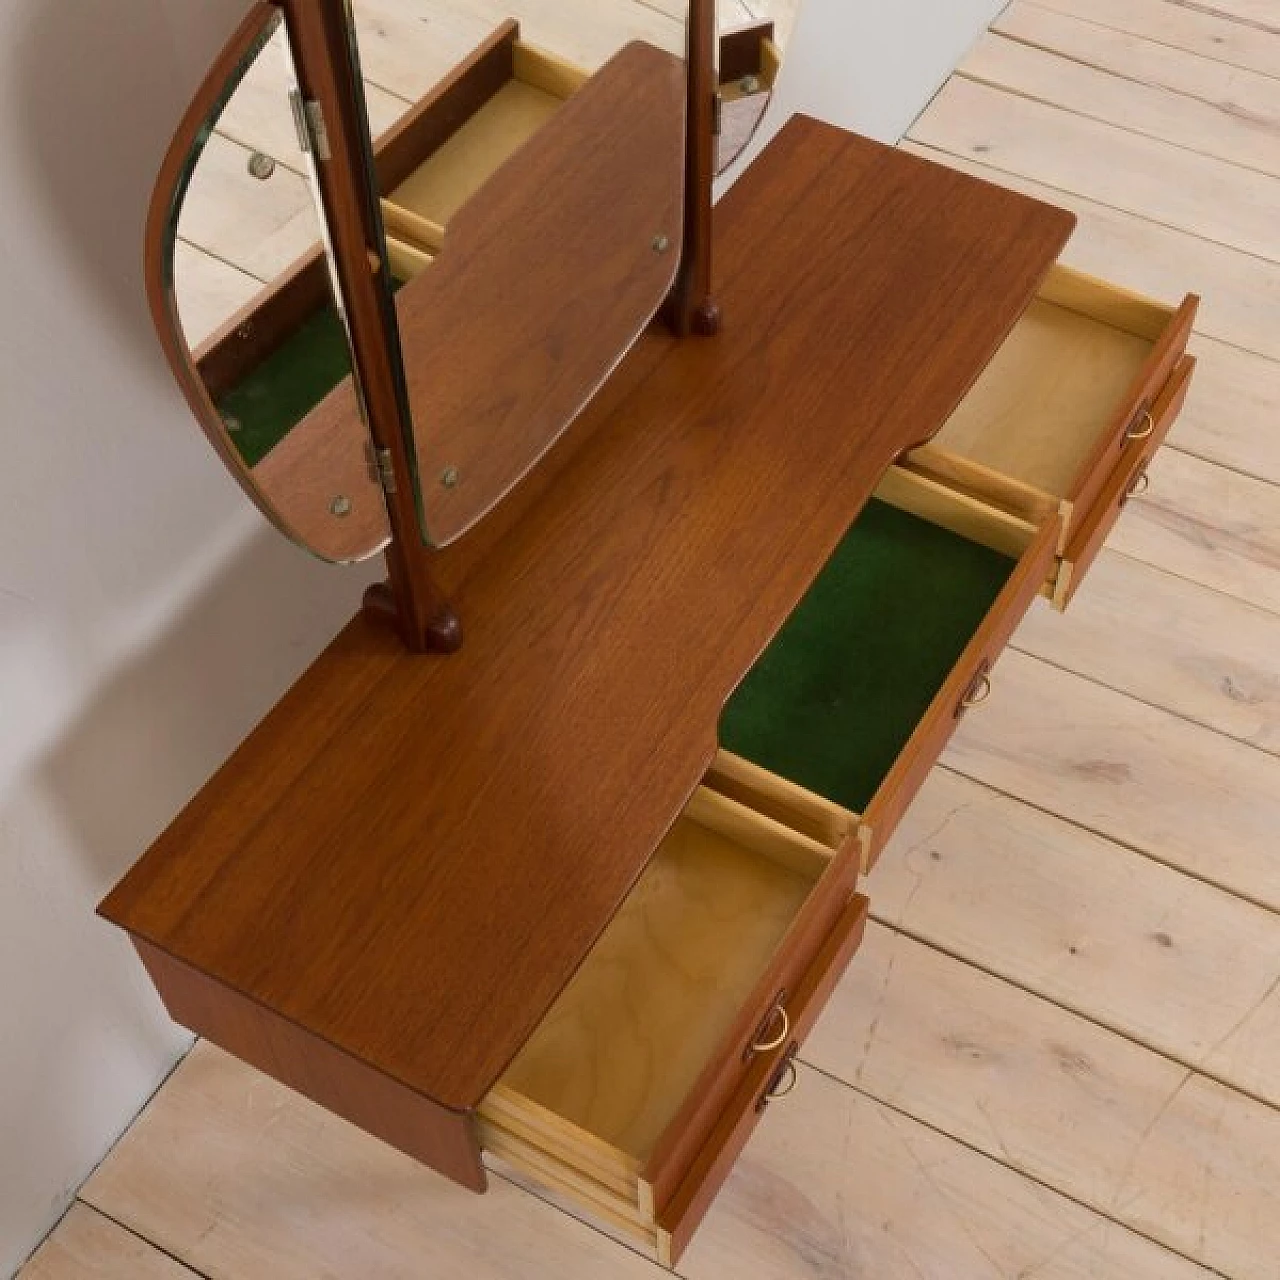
<point x="749" y="84"/>
<point x="661" y="243"/>
<point x="340" y="506"/>
<point x="261" y="165"/>
<point x="450" y="477"/>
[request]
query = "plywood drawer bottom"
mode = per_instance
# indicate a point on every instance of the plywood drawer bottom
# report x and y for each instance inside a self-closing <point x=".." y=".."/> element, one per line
<point x="687" y="998"/>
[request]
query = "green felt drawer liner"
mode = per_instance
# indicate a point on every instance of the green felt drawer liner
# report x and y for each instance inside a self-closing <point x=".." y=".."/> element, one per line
<point x="276" y="395"/>
<point x="835" y="698"/>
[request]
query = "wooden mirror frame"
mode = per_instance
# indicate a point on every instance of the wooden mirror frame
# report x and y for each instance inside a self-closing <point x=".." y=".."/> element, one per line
<point x="319" y="33"/>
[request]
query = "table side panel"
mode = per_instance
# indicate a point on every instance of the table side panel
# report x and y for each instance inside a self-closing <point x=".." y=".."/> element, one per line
<point x="445" y="1140"/>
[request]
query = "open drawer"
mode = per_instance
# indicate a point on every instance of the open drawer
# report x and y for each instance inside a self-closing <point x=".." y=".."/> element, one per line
<point x="893" y="644"/>
<point x="897" y="639"/>
<point x="1068" y="412"/>
<point x="456" y="139"/>
<point x="644" y="1080"/>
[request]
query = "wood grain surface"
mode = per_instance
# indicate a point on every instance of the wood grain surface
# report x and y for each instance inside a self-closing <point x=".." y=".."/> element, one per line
<point x="1201" y="966"/>
<point x="85" y="1245"/>
<point x="394" y="860"/>
<point x="1080" y="1109"/>
<point x="1126" y="760"/>
<point x="1135" y="773"/>
<point x="545" y="278"/>
<point x="1171" y="642"/>
<point x="1191" y="28"/>
<point x="1182" y="189"/>
<point x="238" y="1177"/>
<point x="1241" y="292"/>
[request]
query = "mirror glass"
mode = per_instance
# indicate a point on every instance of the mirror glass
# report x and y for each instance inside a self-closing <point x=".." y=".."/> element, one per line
<point x="753" y="35"/>
<point x="256" y="313"/>
<point x="530" y="156"/>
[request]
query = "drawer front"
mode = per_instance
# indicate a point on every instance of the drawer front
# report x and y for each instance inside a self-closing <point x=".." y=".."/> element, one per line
<point x="966" y="687"/>
<point x="768" y="1016"/>
<point x="1135" y="419"/>
<point x="1091" y="534"/>
<point x="768" y="1076"/>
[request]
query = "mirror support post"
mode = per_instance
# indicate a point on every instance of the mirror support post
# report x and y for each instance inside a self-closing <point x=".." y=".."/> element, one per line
<point x="691" y="309"/>
<point x="410" y="596"/>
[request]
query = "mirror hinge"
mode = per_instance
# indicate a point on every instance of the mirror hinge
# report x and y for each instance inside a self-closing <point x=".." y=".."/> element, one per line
<point x="717" y="115"/>
<point x="308" y="120"/>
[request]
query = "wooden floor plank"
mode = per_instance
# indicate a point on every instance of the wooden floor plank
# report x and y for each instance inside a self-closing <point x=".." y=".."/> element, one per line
<point x="1184" y="795"/>
<point x="408" y="46"/>
<point x="1241" y="293"/>
<point x="1233" y="398"/>
<point x="240" y="1178"/>
<point x="87" y="1246"/>
<point x="837" y="1187"/>
<point x="1180" y="189"/>
<point x="1168" y="961"/>
<point x="1260" y="13"/>
<point x="247" y="1179"/>
<point x="1235" y="94"/>
<point x="1170" y="642"/>
<point x="258" y="227"/>
<point x="587" y="34"/>
<point x="1235" y="136"/>
<point x="1211" y="525"/>
<point x="1178" y="1157"/>
<point x="208" y="291"/>
<point x="1181" y="27"/>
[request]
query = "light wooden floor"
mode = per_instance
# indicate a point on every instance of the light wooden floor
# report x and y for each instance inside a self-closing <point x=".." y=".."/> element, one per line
<point x="1059" y="1053"/>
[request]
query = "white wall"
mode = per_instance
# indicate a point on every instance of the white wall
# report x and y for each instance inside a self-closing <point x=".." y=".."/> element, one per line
<point x="873" y="65"/>
<point x="870" y="65"/>
<point x="147" y="616"/>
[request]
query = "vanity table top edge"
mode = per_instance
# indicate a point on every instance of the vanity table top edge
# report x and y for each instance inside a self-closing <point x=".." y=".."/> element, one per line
<point x="410" y="856"/>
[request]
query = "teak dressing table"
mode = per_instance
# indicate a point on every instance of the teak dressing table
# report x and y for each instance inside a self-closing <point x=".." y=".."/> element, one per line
<point x="575" y="892"/>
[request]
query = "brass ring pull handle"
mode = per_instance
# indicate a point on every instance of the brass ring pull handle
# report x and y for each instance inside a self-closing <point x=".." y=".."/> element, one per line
<point x="978" y="692"/>
<point x="1137" y="487"/>
<point x="1145" y="431"/>
<point x="782" y="1082"/>
<point x="780" y="1016"/>
<point x="785" y="1083"/>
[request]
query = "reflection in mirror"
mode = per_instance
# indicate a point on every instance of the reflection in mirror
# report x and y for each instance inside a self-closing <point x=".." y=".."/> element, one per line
<point x="532" y="196"/>
<point x="753" y="35"/>
<point x="265" y="344"/>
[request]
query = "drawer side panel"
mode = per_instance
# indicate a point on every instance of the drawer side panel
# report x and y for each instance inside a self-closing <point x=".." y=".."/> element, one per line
<point x="935" y="729"/>
<point x="683" y="1214"/>
<point x="1150" y="382"/>
<point x="1091" y="536"/>
<point x="685" y="1137"/>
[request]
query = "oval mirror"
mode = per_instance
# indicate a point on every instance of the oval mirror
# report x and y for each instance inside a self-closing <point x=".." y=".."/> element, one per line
<point x="532" y="202"/>
<point x="247" y="308"/>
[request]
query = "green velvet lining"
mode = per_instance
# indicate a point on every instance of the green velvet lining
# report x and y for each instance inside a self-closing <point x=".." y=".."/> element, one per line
<point x="835" y="698"/>
<point x="274" y="397"/>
